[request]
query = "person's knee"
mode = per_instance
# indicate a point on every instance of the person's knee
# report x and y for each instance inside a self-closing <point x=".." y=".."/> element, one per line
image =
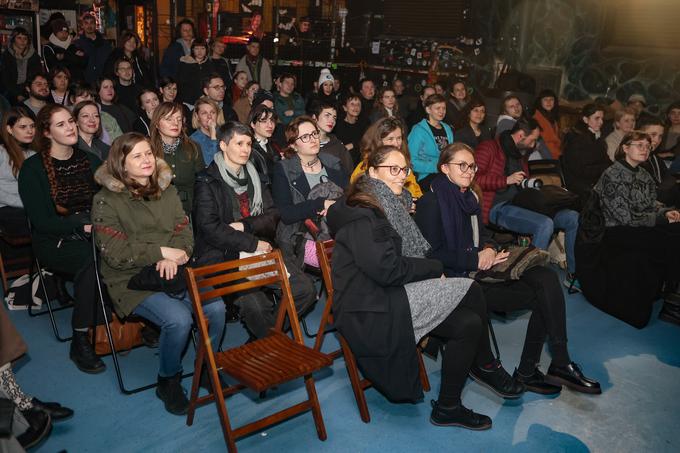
<point x="543" y="230"/>
<point x="303" y="291"/>
<point x="214" y="311"/>
<point x="175" y="320"/>
<point x="468" y="324"/>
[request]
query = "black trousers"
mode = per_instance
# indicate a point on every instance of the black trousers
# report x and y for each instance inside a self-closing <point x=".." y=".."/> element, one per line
<point x="540" y="291"/>
<point x="466" y="339"/>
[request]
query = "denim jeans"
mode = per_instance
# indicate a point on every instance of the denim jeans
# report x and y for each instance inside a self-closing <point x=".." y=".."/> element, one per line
<point x="541" y="227"/>
<point x="175" y="318"/>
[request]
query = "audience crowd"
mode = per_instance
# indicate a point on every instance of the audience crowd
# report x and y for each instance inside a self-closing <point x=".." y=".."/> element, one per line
<point x="206" y="164"/>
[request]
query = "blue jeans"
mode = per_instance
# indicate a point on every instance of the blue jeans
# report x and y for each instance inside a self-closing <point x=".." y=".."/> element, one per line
<point x="541" y="227"/>
<point x="175" y="318"/>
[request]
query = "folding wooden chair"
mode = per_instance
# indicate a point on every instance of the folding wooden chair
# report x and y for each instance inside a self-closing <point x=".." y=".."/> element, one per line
<point x="324" y="251"/>
<point x="547" y="170"/>
<point x="261" y="364"/>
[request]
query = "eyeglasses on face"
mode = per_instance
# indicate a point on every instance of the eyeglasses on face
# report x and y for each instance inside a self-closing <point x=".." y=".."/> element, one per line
<point x="307" y="137"/>
<point x="396" y="169"/>
<point x="638" y="145"/>
<point x="464" y="166"/>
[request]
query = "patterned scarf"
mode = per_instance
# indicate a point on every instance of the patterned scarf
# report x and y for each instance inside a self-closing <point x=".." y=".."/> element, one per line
<point x="396" y="208"/>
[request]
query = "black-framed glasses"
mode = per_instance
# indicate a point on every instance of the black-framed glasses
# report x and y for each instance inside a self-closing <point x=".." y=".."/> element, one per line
<point x="307" y="137"/>
<point x="464" y="166"/>
<point x="395" y="169"/>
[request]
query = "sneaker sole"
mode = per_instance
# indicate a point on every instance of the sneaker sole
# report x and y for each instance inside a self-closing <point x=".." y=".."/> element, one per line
<point x="506" y="396"/>
<point x="461" y="425"/>
<point x="555" y="380"/>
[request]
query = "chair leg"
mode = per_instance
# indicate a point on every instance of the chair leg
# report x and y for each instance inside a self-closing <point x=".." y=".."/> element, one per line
<point x="493" y="339"/>
<point x="50" y="310"/>
<point x="424" y="380"/>
<point x="198" y="369"/>
<point x="355" y="380"/>
<point x="5" y="286"/>
<point x="316" y="408"/>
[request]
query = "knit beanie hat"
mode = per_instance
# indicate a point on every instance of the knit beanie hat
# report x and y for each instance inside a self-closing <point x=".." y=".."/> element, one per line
<point x="325" y="76"/>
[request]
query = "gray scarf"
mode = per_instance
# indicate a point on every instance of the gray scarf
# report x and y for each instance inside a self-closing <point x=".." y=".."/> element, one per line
<point x="396" y="209"/>
<point x="240" y="184"/>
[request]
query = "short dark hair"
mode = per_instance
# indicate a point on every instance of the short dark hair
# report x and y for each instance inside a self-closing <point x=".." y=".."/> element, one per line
<point x="525" y="125"/>
<point x="178" y="27"/>
<point x="205" y="81"/>
<point x="434" y="99"/>
<point x="319" y="106"/>
<point x="364" y="80"/>
<point x="165" y="81"/>
<point x="231" y="128"/>
<point x="30" y="78"/>
<point x="261" y="111"/>
<point x="287" y="75"/>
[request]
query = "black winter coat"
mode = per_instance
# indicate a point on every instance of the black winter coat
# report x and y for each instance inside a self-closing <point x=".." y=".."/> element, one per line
<point x="370" y="305"/>
<point x="215" y="240"/>
<point x="583" y="160"/>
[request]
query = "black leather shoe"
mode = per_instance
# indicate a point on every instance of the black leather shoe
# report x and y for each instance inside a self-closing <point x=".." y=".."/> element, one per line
<point x="497" y="380"/>
<point x="670" y="313"/>
<point x="57" y="411"/>
<point x="83" y="355"/>
<point x="458" y="415"/>
<point x="535" y="382"/>
<point x="39" y="427"/>
<point x="572" y="377"/>
<point x="170" y="391"/>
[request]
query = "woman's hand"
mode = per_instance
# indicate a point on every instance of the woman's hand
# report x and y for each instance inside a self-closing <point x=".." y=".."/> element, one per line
<point x="263" y="246"/>
<point x="486" y="259"/>
<point x="500" y="257"/>
<point x="178" y="256"/>
<point x="213" y="129"/>
<point x="167" y="269"/>
<point x="326" y="204"/>
<point x="87" y="229"/>
<point x="673" y="216"/>
<point x="238" y="226"/>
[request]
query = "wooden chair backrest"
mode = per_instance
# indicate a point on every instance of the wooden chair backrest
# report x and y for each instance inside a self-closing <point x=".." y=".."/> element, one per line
<point x="324" y="252"/>
<point x="231" y="277"/>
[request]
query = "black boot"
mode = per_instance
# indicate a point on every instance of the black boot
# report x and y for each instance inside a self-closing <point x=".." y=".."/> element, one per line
<point x="39" y="427"/>
<point x="172" y="394"/>
<point x="497" y="380"/>
<point x="83" y="355"/>
<point x="670" y="312"/>
<point x="458" y="415"/>
<point x="535" y="382"/>
<point x="63" y="295"/>
<point x="572" y="377"/>
<point x="56" y="410"/>
<point x="205" y="380"/>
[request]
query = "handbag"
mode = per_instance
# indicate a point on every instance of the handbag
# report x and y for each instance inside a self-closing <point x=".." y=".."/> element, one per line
<point x="519" y="260"/>
<point x="548" y="200"/>
<point x="125" y="336"/>
<point x="149" y="279"/>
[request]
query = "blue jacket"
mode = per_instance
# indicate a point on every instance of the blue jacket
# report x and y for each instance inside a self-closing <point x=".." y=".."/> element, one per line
<point x="281" y="106"/>
<point x="208" y="145"/>
<point x="97" y="51"/>
<point x="424" y="149"/>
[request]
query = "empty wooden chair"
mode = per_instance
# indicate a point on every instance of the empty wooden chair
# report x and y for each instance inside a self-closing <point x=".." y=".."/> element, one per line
<point x="324" y="251"/>
<point x="261" y="364"/>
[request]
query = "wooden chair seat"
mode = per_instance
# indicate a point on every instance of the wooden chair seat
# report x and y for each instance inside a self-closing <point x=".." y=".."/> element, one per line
<point x="270" y="361"/>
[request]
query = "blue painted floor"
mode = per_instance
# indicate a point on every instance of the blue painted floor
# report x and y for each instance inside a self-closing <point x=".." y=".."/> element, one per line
<point x="639" y="410"/>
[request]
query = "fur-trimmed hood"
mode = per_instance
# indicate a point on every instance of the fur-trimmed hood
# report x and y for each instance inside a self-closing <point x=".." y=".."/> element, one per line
<point x="105" y="179"/>
<point x="191" y="60"/>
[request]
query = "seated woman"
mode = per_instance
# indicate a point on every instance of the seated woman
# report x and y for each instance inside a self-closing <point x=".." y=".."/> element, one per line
<point x="624" y="123"/>
<point x="169" y="142"/>
<point x="234" y="213"/>
<point x="147" y="100"/>
<point x="262" y="120"/>
<point x="292" y="181"/>
<point x="106" y="95"/>
<point x="167" y="87"/>
<point x="429" y="137"/>
<point x="207" y="117"/>
<point x="89" y="124"/>
<point x="82" y="91"/>
<point x="16" y="137"/>
<point x="192" y="69"/>
<point x="584" y="154"/>
<point x="386" y="106"/>
<point x="547" y="115"/>
<point x="389" y="296"/>
<point x="449" y="220"/>
<point x="56" y="187"/>
<point x="638" y="250"/>
<point x="60" y="78"/>
<point x="472" y="131"/>
<point x="243" y="105"/>
<point x="384" y="132"/>
<point x="139" y="222"/>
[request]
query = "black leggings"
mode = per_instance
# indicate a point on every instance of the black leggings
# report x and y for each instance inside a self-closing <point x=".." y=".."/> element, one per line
<point x="539" y="290"/>
<point x="466" y="339"/>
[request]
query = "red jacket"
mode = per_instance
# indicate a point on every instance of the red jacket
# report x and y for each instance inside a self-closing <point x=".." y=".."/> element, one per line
<point x="490" y="159"/>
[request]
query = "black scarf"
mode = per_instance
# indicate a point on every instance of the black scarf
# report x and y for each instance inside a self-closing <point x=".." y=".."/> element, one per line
<point x="513" y="155"/>
<point x="456" y="209"/>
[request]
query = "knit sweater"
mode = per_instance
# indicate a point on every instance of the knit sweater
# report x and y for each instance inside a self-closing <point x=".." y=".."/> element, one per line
<point x="628" y="196"/>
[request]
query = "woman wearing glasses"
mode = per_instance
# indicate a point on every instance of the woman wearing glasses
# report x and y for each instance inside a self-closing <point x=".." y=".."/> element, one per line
<point x="389" y="296"/>
<point x="293" y="179"/>
<point x="640" y="247"/>
<point x="449" y="219"/>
